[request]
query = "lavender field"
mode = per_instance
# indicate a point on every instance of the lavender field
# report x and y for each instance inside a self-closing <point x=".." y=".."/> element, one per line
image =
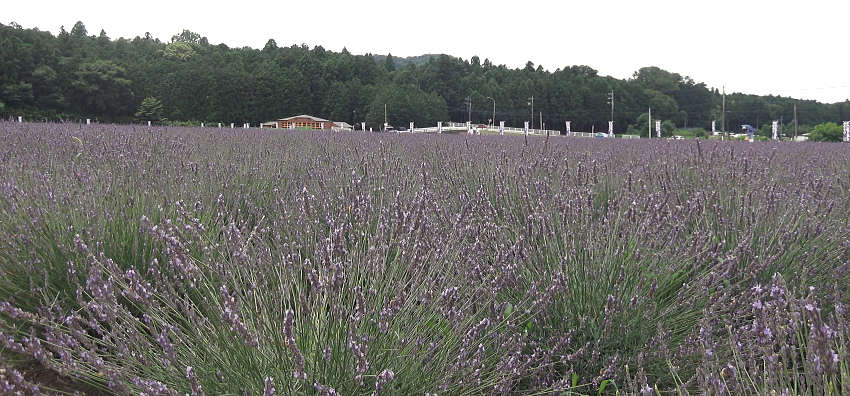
<point x="188" y="261"/>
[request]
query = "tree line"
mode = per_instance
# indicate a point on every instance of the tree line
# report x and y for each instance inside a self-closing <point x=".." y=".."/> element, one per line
<point x="187" y="80"/>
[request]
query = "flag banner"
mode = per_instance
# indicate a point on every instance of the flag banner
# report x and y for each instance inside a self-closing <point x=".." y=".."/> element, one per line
<point x="411" y="127"/>
<point x="658" y="128"/>
<point x="439" y="127"/>
<point x="568" y="128"/>
<point x="501" y="127"/>
<point x="610" y="128"/>
<point x="363" y="126"/>
<point x="847" y="131"/>
<point x="774" y="128"/>
<point x="323" y="126"/>
<point x="713" y="128"/>
<point x="526" y="128"/>
<point x="291" y="125"/>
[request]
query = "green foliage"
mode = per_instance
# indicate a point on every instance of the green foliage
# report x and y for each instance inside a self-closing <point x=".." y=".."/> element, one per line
<point x="668" y="128"/>
<point x="405" y="104"/>
<point x="827" y="132"/>
<point x="700" y="133"/>
<point x="46" y="76"/>
<point x="150" y="110"/>
<point x="657" y="79"/>
<point x="100" y="87"/>
<point x="178" y="50"/>
<point x="389" y="63"/>
<point x="188" y="37"/>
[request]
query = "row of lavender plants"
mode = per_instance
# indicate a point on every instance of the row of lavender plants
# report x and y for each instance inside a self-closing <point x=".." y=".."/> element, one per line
<point x="188" y="261"/>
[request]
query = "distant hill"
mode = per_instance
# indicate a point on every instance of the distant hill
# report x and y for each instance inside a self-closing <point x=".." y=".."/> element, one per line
<point x="401" y="63"/>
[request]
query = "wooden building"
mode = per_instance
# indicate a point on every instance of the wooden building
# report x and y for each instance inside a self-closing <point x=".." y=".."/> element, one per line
<point x="305" y="122"/>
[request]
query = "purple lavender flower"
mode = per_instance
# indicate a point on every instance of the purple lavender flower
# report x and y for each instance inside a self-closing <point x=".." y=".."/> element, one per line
<point x="193" y="381"/>
<point x="297" y="357"/>
<point x="381" y="381"/>
<point x="268" y="390"/>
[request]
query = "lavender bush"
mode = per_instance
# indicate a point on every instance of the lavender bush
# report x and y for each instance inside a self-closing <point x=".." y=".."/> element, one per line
<point x="203" y="261"/>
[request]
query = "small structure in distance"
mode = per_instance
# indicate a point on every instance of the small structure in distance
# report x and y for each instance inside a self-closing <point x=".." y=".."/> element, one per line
<point x="305" y="121"/>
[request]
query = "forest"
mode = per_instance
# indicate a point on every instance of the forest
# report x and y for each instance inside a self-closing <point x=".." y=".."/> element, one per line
<point x="186" y="81"/>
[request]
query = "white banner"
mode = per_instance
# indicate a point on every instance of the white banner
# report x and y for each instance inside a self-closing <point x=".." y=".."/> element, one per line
<point x="291" y="125"/>
<point x="363" y="126"/>
<point x="411" y="127"/>
<point x="439" y="127"/>
<point x="713" y="128"/>
<point x="501" y="127"/>
<point x="658" y="128"/>
<point x="322" y="126"/>
<point x="847" y="131"/>
<point x="568" y="128"/>
<point x="610" y="128"/>
<point x="526" y="128"/>
<point x="774" y="128"/>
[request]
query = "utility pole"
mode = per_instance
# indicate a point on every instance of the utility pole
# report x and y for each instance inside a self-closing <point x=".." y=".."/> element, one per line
<point x="795" y="122"/>
<point x="611" y="100"/>
<point x="493" y="120"/>
<point x="649" y="124"/>
<point x="723" y="116"/>
<point x="531" y="102"/>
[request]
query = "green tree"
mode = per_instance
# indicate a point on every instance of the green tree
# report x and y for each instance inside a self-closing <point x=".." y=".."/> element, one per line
<point x="178" y="50"/>
<point x="101" y="88"/>
<point x="150" y="110"/>
<point x="79" y="29"/>
<point x="668" y="128"/>
<point x="389" y="63"/>
<point x="827" y="132"/>
<point x="658" y="79"/>
<point x="643" y="126"/>
<point x="45" y="88"/>
<point x="187" y="36"/>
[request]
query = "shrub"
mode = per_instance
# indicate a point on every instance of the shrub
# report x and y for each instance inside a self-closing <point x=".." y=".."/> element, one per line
<point x="203" y="261"/>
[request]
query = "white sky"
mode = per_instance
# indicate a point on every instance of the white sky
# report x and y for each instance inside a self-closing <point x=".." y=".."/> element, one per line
<point x="796" y="49"/>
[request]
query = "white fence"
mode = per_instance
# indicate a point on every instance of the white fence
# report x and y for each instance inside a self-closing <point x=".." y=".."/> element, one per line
<point x="459" y="126"/>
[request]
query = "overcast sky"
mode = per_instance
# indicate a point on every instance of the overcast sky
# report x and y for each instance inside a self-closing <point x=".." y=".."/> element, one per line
<point x="796" y="49"/>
